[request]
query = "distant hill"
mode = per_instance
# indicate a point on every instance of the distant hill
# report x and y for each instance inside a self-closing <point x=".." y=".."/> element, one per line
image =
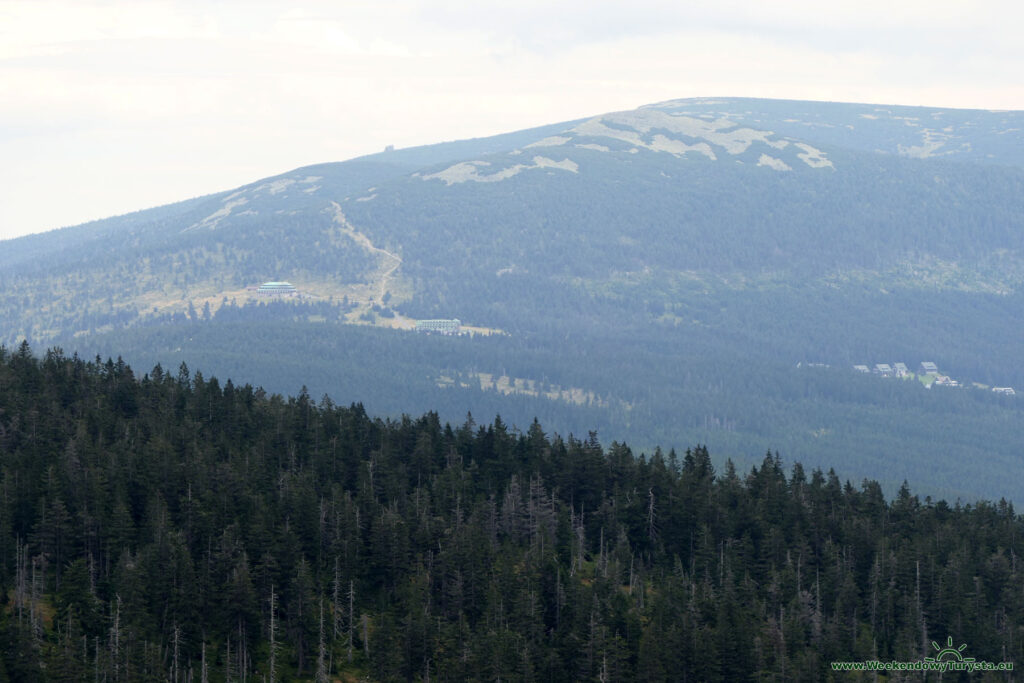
<point x="657" y="273"/>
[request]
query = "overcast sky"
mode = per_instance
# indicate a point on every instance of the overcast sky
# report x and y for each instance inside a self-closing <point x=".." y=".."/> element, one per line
<point x="110" y="107"/>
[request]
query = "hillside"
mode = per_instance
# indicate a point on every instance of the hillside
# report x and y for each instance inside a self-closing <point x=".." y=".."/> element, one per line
<point x="657" y="274"/>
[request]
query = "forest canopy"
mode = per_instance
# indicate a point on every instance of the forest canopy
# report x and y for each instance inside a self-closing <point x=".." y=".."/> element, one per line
<point x="170" y="526"/>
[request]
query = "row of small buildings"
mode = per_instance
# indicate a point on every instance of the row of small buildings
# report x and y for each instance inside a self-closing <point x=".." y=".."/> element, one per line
<point x="901" y="370"/>
<point x="897" y="369"/>
<point x="926" y="368"/>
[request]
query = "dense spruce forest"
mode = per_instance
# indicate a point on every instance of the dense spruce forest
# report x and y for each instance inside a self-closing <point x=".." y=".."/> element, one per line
<point x="173" y="527"/>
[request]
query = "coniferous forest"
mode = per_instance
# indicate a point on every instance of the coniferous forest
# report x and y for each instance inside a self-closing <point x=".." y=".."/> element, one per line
<point x="168" y="526"/>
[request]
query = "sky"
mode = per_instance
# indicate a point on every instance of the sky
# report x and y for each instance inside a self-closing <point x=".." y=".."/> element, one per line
<point x="112" y="107"/>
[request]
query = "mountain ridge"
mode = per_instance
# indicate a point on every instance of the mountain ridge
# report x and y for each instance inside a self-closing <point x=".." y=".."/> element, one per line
<point x="682" y="256"/>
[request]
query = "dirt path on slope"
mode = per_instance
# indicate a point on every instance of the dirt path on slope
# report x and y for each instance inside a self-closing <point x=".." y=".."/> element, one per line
<point x="389" y="263"/>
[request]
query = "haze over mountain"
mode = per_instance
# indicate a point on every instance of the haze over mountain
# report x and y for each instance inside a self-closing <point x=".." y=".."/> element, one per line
<point x="658" y="273"/>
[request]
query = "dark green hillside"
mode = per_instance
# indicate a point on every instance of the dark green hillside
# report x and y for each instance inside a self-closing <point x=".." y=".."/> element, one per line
<point x="706" y="220"/>
<point x="677" y="259"/>
<point x="717" y="385"/>
<point x="171" y="526"/>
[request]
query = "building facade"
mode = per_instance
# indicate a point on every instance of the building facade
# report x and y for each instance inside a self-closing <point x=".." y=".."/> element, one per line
<point x="452" y="326"/>
<point x="276" y="289"/>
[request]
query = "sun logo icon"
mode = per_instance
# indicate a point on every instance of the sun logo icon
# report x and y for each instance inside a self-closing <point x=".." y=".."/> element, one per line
<point x="953" y="653"/>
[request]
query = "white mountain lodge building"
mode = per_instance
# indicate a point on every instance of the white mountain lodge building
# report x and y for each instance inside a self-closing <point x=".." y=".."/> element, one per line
<point x="444" y="326"/>
<point x="276" y="289"/>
